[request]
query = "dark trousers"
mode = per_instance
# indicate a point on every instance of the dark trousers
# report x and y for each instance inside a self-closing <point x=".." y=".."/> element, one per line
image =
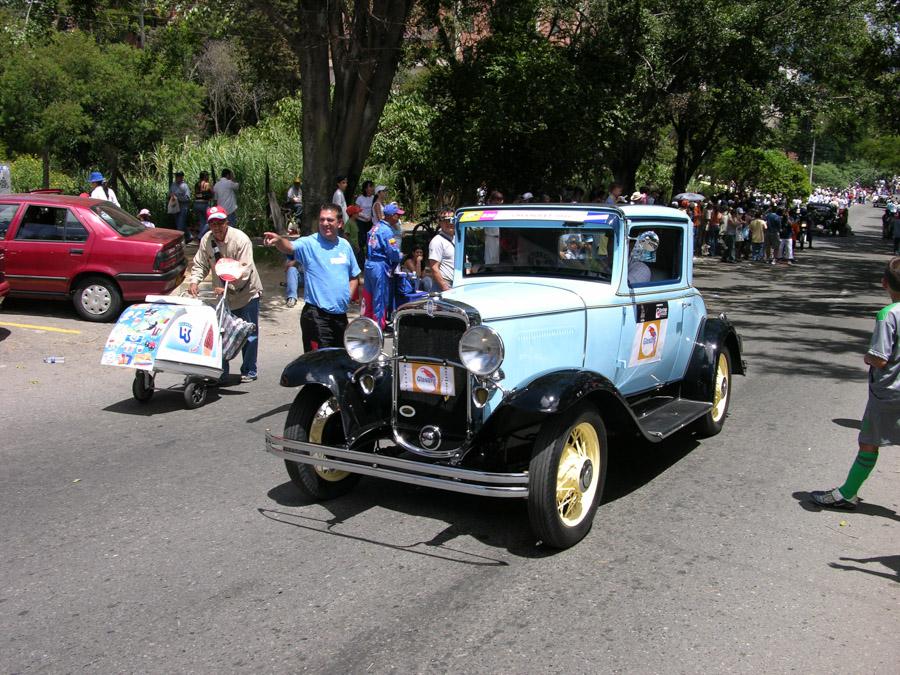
<point x="320" y="329"/>
<point x="362" y="235"/>
<point x="728" y="253"/>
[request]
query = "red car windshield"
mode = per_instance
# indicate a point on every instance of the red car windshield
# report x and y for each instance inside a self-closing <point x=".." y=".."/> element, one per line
<point x="123" y="223"/>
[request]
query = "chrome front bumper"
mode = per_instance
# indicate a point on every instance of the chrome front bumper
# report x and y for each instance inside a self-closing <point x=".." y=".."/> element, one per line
<point x="437" y="476"/>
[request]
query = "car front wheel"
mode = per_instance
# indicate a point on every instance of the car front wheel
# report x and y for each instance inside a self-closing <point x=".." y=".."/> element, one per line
<point x="315" y="417"/>
<point x="97" y="299"/>
<point x="566" y="477"/>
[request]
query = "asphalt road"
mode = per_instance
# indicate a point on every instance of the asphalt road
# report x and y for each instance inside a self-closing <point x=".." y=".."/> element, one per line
<point x="156" y="539"/>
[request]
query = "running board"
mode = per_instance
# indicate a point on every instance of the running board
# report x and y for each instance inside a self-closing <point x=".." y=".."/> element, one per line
<point x="676" y="414"/>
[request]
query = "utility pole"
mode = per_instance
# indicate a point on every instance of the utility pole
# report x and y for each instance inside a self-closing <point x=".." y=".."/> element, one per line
<point x="812" y="160"/>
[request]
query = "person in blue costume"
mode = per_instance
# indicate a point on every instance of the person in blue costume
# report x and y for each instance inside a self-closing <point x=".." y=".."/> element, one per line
<point x="382" y="256"/>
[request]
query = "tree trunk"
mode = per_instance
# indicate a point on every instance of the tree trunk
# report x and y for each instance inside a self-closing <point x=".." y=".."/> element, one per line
<point x="625" y="162"/>
<point x="679" y="172"/>
<point x="362" y="47"/>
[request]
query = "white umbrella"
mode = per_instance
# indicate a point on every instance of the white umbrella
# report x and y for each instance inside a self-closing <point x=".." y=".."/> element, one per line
<point x="689" y="197"/>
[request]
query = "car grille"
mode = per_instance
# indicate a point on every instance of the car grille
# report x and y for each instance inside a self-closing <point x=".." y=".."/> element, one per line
<point x="437" y="337"/>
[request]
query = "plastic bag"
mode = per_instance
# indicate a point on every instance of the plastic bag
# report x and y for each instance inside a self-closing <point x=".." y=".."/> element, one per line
<point x="235" y="332"/>
<point x="173" y="207"/>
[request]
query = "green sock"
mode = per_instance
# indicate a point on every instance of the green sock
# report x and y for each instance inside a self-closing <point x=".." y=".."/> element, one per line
<point x="862" y="467"/>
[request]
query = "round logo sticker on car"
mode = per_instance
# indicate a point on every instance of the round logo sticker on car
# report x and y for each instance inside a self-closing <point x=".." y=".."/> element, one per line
<point x="426" y="379"/>
<point x="649" y="340"/>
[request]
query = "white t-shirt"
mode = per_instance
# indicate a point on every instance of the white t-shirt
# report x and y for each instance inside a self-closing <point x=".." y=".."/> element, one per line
<point x="443" y="250"/>
<point x="365" y="203"/>
<point x="224" y="190"/>
<point x="100" y="193"/>
<point x="638" y="272"/>
<point x="339" y="199"/>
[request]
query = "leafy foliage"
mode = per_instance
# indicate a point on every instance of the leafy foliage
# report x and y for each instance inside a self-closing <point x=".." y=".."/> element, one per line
<point x="27" y="175"/>
<point x="769" y="171"/>
<point x="85" y="104"/>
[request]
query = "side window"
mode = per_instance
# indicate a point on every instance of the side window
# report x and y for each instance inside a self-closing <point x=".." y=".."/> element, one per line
<point x="666" y="267"/>
<point x="75" y="231"/>
<point x="7" y="213"/>
<point x="43" y="223"/>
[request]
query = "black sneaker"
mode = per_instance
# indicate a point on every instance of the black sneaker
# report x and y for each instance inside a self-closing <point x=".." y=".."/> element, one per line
<point x="832" y="499"/>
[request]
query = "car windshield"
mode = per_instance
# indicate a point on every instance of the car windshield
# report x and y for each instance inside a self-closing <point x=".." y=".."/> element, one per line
<point x="550" y="249"/>
<point x="123" y="223"/>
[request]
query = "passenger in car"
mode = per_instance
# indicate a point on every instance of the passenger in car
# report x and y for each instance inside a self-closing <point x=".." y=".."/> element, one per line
<point x="643" y="251"/>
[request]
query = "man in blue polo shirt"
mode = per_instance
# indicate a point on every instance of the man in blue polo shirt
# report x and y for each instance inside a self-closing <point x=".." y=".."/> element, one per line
<point x="330" y="278"/>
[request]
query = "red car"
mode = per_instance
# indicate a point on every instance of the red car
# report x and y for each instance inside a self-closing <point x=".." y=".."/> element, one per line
<point x="85" y="249"/>
<point x="4" y="284"/>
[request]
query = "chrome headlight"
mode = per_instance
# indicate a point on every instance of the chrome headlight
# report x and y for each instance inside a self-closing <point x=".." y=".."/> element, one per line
<point x="481" y="350"/>
<point x="363" y="340"/>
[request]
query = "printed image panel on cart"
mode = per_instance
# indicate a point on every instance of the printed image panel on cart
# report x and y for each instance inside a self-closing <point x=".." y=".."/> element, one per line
<point x="192" y="344"/>
<point x="135" y="339"/>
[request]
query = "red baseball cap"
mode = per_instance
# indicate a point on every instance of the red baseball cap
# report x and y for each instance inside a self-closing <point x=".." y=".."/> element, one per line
<point x="216" y="213"/>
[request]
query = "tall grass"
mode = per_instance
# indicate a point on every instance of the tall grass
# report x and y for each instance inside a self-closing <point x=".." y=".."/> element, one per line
<point x="275" y="142"/>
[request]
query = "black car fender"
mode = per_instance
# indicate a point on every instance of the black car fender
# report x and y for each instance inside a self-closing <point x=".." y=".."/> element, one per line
<point x="334" y="369"/>
<point x="553" y="393"/>
<point x="714" y="334"/>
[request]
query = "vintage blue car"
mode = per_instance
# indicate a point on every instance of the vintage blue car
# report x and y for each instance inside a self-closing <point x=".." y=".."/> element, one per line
<point x="565" y="325"/>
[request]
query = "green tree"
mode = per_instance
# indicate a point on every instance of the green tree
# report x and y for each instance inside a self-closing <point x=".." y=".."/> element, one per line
<point x="769" y="171"/>
<point x="883" y="152"/>
<point x="84" y="103"/>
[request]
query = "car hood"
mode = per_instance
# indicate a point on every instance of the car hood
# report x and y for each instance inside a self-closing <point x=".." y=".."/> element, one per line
<point x="506" y="299"/>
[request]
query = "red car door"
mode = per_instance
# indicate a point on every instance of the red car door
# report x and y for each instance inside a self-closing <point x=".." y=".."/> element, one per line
<point x="45" y="251"/>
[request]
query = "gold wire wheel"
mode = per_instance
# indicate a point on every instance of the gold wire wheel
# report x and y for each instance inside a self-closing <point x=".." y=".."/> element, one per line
<point x="578" y="474"/>
<point x="324" y="414"/>
<point x="720" y="396"/>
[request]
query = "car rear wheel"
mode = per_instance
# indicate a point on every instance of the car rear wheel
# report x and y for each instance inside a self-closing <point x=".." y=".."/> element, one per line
<point x="712" y="423"/>
<point x="97" y="299"/>
<point x="566" y="477"/>
<point x="315" y="417"/>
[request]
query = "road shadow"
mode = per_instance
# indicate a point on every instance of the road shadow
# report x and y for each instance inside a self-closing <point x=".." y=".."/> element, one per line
<point x="269" y="413"/>
<point x="495" y="522"/>
<point x="848" y="423"/>
<point x="778" y="308"/>
<point x="862" y="508"/>
<point x="892" y="562"/>
<point x="4" y="333"/>
<point x="167" y="401"/>
<point x="636" y="462"/>
<point x="56" y="309"/>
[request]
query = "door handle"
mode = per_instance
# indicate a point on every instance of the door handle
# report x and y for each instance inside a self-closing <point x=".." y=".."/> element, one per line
<point x="687" y="303"/>
<point x="76" y="251"/>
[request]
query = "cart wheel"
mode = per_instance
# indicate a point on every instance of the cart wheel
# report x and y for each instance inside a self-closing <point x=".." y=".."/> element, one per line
<point x="142" y="387"/>
<point x="194" y="394"/>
